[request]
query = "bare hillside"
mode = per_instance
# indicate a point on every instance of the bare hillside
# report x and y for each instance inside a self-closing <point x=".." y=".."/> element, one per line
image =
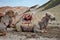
<point x="19" y="9"/>
<point x="55" y="10"/>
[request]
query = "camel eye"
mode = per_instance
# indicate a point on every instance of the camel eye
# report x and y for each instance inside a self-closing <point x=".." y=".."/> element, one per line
<point x="49" y="15"/>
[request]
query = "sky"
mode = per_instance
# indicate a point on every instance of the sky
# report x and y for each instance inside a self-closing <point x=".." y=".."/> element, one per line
<point x="27" y="3"/>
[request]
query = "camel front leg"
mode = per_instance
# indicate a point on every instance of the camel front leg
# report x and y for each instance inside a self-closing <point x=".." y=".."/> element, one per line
<point x="45" y="29"/>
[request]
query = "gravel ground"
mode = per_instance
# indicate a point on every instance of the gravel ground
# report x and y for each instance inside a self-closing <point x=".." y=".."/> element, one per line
<point x="11" y="36"/>
<point x="52" y="34"/>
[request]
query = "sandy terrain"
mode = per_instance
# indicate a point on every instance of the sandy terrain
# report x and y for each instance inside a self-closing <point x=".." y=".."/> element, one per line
<point x="52" y="34"/>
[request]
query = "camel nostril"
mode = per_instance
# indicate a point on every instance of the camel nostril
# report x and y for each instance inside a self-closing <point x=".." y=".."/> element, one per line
<point x="12" y="24"/>
<point x="54" y="18"/>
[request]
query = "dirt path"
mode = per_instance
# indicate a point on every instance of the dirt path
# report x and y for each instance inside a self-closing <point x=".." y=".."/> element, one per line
<point x="52" y="34"/>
